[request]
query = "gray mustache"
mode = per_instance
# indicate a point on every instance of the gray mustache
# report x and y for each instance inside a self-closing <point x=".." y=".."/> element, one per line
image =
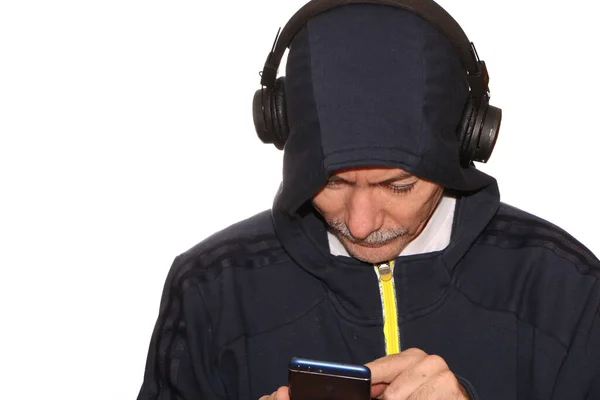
<point x="377" y="237"/>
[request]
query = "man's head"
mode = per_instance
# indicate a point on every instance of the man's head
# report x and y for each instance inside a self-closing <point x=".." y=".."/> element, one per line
<point x="384" y="88"/>
<point x="376" y="212"/>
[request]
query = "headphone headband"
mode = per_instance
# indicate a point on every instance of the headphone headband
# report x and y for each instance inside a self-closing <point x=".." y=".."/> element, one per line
<point x="480" y="123"/>
<point x="429" y="10"/>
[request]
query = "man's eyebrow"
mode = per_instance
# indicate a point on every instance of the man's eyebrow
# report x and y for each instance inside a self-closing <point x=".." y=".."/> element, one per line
<point x="399" y="177"/>
<point x="336" y="178"/>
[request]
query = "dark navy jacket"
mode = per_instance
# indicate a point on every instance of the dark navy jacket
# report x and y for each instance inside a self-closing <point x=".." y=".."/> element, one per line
<point x="512" y="304"/>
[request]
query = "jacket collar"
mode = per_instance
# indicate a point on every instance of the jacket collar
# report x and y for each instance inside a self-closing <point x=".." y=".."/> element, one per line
<point x="421" y="279"/>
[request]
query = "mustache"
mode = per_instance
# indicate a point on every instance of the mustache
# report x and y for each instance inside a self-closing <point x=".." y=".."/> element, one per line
<point x="378" y="237"/>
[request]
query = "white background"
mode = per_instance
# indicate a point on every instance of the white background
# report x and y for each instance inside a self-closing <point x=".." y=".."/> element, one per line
<point x="127" y="137"/>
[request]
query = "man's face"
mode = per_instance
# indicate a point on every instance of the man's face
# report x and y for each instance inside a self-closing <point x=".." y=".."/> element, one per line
<point x="376" y="212"/>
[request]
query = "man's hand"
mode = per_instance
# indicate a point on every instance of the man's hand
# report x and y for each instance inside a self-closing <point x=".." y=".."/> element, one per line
<point x="281" y="394"/>
<point x="413" y="374"/>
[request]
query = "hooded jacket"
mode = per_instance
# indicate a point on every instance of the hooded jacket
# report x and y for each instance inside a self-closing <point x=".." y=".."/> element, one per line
<point x="511" y="304"/>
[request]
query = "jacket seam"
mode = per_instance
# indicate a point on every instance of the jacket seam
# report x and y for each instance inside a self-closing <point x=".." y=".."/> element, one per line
<point x="577" y="330"/>
<point x="261" y="332"/>
<point x="566" y="348"/>
<point x="590" y="270"/>
<point x="222" y="268"/>
<point x="233" y="244"/>
<point x="211" y="324"/>
<point x="554" y="234"/>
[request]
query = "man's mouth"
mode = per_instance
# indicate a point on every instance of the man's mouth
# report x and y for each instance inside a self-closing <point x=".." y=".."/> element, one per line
<point x="369" y="245"/>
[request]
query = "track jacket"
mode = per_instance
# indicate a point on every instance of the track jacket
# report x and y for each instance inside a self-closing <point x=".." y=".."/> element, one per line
<point x="511" y="304"/>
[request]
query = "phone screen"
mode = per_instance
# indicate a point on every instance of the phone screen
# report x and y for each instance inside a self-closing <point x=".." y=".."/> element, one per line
<point x="323" y="380"/>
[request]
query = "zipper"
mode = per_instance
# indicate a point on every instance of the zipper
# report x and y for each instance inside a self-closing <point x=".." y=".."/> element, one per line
<point x="387" y="291"/>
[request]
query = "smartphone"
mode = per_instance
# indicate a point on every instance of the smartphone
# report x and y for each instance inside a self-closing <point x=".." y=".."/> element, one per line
<point x="325" y="380"/>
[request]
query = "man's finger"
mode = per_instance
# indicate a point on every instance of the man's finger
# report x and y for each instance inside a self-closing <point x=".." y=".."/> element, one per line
<point x="442" y="386"/>
<point x="281" y="394"/>
<point x="386" y="369"/>
<point x="419" y="374"/>
<point x="377" y="390"/>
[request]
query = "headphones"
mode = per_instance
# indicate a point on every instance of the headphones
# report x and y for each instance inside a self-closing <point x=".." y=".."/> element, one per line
<point x="480" y="122"/>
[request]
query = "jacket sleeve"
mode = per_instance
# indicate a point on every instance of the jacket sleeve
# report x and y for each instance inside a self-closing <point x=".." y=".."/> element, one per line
<point x="469" y="388"/>
<point x="178" y="366"/>
<point x="579" y="377"/>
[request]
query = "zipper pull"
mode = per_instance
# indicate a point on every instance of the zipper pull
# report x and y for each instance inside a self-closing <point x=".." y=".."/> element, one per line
<point x="386" y="271"/>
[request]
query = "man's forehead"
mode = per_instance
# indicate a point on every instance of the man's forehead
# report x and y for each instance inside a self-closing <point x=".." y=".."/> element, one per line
<point x="385" y="172"/>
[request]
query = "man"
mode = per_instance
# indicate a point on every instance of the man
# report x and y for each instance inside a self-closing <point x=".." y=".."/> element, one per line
<point x="383" y="246"/>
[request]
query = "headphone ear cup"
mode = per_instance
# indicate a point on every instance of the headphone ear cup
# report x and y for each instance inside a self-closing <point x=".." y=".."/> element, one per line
<point x="259" y="114"/>
<point x="487" y="134"/>
<point x="478" y="131"/>
<point x="482" y="133"/>
<point x="279" y="114"/>
<point x="270" y="114"/>
<point x="465" y="131"/>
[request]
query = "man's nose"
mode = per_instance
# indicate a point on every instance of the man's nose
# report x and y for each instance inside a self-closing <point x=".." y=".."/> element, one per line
<point x="363" y="214"/>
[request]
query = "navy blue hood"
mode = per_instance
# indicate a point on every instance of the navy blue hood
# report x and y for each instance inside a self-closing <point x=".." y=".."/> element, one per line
<point x="372" y="85"/>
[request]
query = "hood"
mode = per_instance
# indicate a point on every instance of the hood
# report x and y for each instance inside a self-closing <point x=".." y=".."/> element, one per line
<point x="372" y="85"/>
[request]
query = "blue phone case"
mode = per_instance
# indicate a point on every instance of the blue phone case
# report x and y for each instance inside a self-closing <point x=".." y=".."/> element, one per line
<point x="325" y="380"/>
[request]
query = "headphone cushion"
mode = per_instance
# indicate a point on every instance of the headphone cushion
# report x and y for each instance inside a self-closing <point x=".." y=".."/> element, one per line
<point x="465" y="129"/>
<point x="279" y="113"/>
<point x="259" y="116"/>
<point x="490" y="128"/>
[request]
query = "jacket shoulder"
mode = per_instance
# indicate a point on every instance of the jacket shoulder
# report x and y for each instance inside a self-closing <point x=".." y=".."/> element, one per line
<point x="251" y="243"/>
<point x="247" y="242"/>
<point x="526" y="266"/>
<point x="237" y="273"/>
<point x="512" y="228"/>
<point x="254" y="229"/>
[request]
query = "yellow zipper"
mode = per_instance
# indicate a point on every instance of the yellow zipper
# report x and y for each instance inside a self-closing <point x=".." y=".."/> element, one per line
<point x="387" y="290"/>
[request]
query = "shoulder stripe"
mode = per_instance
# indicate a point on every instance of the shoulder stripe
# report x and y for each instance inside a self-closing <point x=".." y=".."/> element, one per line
<point x="584" y="263"/>
<point x="186" y="269"/>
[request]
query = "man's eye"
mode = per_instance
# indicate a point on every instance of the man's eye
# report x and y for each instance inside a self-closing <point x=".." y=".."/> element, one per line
<point x="398" y="188"/>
